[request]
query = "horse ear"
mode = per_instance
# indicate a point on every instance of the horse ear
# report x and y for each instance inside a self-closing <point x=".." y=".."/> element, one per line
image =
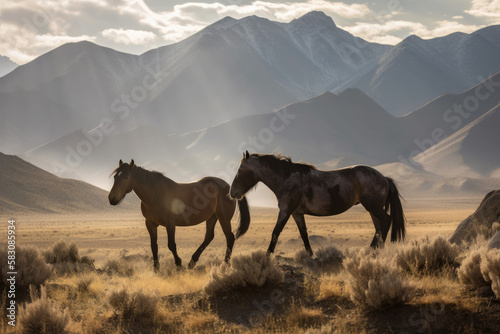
<point x="121" y="162"/>
<point x="246" y="155"/>
<point x="132" y="163"/>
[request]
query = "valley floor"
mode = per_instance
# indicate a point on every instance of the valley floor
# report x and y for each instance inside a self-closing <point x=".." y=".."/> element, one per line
<point x="313" y="300"/>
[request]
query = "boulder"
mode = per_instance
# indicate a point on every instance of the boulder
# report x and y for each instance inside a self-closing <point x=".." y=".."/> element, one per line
<point x="495" y="241"/>
<point x="481" y="221"/>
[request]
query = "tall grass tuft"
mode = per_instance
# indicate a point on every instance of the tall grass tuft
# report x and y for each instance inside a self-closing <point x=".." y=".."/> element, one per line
<point x="253" y="269"/>
<point x="42" y="316"/>
<point x="427" y="256"/>
<point x="375" y="283"/>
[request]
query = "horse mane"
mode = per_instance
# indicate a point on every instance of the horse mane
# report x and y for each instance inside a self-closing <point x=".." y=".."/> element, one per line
<point x="149" y="177"/>
<point x="284" y="164"/>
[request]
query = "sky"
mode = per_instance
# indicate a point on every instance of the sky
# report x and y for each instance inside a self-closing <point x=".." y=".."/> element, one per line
<point x="29" y="28"/>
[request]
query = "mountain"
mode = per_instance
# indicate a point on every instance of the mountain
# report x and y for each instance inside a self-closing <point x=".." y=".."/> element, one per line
<point x="230" y="69"/>
<point x="6" y="65"/>
<point x="348" y="123"/>
<point x="471" y="151"/>
<point x="416" y="71"/>
<point x="449" y="113"/>
<point x="26" y="188"/>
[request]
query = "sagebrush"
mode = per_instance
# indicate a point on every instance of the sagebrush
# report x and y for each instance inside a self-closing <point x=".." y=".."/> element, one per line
<point x="428" y="256"/>
<point x="490" y="268"/>
<point x="29" y="265"/>
<point x="42" y="316"/>
<point x="65" y="258"/>
<point x="136" y="306"/>
<point x="375" y="283"/>
<point x="254" y="269"/>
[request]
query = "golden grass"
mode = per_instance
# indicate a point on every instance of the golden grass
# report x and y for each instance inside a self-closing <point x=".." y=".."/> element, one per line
<point x="320" y="304"/>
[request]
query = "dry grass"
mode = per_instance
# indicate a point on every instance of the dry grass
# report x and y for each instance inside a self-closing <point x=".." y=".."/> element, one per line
<point x="253" y="269"/>
<point x="29" y="265"/>
<point x="375" y="282"/>
<point x="42" y="316"/>
<point x="490" y="268"/>
<point x="470" y="269"/>
<point x="428" y="256"/>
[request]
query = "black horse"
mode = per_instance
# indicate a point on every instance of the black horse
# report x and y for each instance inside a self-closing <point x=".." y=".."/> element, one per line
<point x="301" y="190"/>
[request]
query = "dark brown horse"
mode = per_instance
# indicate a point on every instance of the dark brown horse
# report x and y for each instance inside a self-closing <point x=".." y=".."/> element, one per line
<point x="170" y="204"/>
<point x="301" y="190"/>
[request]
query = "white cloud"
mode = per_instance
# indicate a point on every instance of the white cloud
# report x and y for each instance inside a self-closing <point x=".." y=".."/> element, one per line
<point x="392" y="32"/>
<point x="129" y="36"/>
<point x="485" y="8"/>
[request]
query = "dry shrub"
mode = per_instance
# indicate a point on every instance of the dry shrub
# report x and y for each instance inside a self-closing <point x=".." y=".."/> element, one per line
<point x="29" y="265"/>
<point x="42" y="315"/>
<point x="133" y="307"/>
<point x="427" y="257"/>
<point x="83" y="284"/>
<point x="254" y="269"/>
<point x="490" y="268"/>
<point x="375" y="282"/>
<point x="65" y="258"/>
<point x="470" y="270"/>
<point x="326" y="259"/>
<point x="119" y="267"/>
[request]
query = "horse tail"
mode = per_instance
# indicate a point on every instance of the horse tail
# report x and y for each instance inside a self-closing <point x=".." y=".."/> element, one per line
<point x="244" y="217"/>
<point x="397" y="215"/>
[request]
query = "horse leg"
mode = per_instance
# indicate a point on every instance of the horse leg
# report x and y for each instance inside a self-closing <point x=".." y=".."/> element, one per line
<point x="280" y="224"/>
<point x="153" y="235"/>
<point x="209" y="235"/>
<point x="301" y="224"/>
<point x="171" y="244"/>
<point x="226" y="228"/>
<point x="382" y="223"/>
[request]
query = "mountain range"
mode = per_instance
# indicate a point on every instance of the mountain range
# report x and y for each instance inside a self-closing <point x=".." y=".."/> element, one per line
<point x="422" y="109"/>
<point x="230" y="69"/>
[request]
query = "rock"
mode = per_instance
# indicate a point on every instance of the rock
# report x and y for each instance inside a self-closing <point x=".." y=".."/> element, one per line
<point x="495" y="241"/>
<point x="481" y="221"/>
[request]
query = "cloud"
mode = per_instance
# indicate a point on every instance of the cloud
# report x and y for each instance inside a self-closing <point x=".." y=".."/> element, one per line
<point x="392" y="32"/>
<point x="485" y="8"/>
<point x="129" y="36"/>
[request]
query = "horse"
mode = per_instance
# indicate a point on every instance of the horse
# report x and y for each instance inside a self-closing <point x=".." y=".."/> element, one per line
<point x="168" y="203"/>
<point x="301" y="189"/>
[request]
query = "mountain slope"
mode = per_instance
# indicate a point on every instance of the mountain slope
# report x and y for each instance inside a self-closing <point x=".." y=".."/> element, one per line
<point x="471" y="151"/>
<point x="230" y="69"/>
<point x="6" y="65"/>
<point x="416" y="71"/>
<point x="26" y="188"/>
<point x="323" y="128"/>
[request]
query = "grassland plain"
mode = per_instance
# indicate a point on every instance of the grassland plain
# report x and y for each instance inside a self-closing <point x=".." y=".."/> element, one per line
<point x="120" y="293"/>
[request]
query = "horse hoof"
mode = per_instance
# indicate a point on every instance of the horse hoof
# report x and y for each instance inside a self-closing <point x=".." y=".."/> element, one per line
<point x="191" y="265"/>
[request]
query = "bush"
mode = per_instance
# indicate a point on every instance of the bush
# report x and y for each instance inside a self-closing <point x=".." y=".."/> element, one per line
<point x="427" y="257"/>
<point x="42" y="316"/>
<point x="65" y="259"/>
<point x="490" y="268"/>
<point x="254" y="269"/>
<point x="326" y="259"/>
<point x="119" y="267"/>
<point x="30" y="267"/>
<point x="470" y="270"/>
<point x="375" y="283"/>
<point x="133" y="307"/>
